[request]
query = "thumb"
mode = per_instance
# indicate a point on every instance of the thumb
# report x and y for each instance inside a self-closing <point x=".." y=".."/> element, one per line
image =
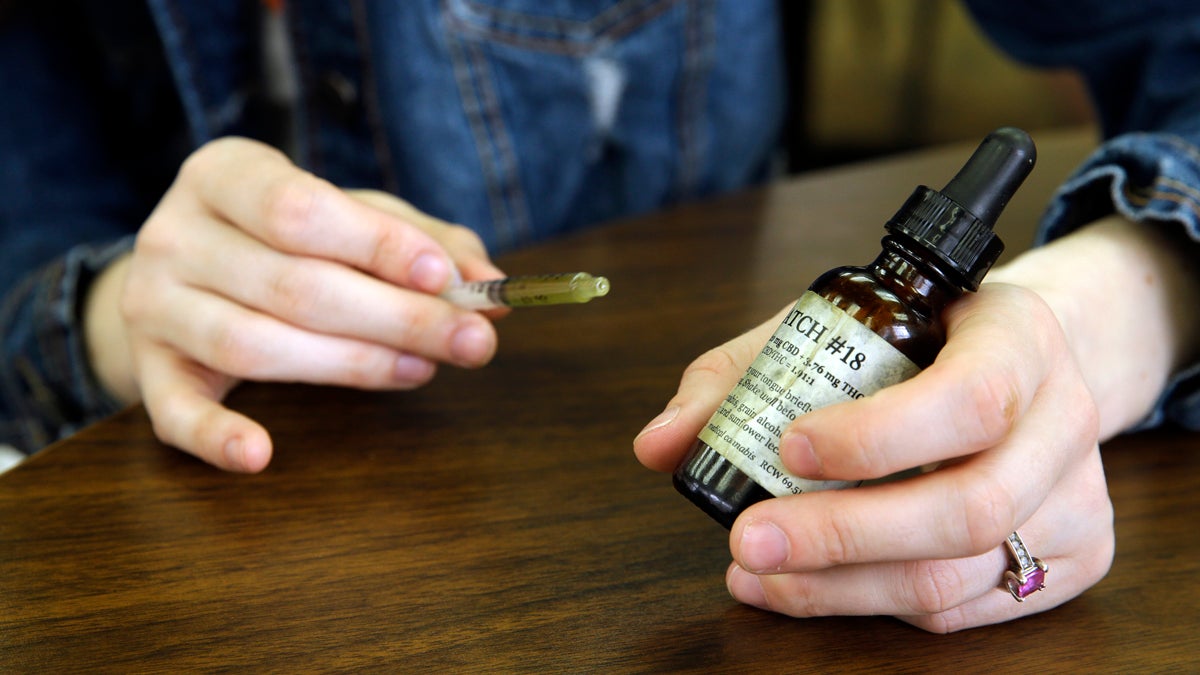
<point x="705" y="383"/>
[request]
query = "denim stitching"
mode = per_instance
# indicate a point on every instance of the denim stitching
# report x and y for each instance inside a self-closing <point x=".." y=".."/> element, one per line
<point x="472" y="109"/>
<point x="697" y="62"/>
<point x="370" y="97"/>
<point x="1187" y="191"/>
<point x="1164" y="189"/>
<point x="565" y="40"/>
<point x="506" y="158"/>
<point x="1180" y="144"/>
<point x="554" y="24"/>
<point x="174" y="36"/>
<point x="306" y="120"/>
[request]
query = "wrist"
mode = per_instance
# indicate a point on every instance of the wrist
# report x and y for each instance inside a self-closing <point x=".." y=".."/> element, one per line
<point x="1116" y="288"/>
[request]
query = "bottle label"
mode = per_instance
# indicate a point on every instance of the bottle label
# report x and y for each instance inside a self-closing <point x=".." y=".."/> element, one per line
<point x="818" y="356"/>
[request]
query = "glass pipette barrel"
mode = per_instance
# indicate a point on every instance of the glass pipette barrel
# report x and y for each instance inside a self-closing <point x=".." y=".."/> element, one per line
<point x="528" y="291"/>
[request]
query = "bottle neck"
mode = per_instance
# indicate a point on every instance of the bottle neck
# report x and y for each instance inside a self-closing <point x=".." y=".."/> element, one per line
<point x="909" y="272"/>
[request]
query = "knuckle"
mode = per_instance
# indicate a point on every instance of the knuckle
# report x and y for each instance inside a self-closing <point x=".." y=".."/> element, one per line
<point x="132" y="306"/>
<point x="995" y="399"/>
<point x="162" y="418"/>
<point x="236" y="352"/>
<point x="212" y="154"/>
<point x="1086" y="415"/>
<point x="296" y="293"/>
<point x="1100" y="560"/>
<point x="1094" y="560"/>
<point x="1046" y="327"/>
<point x="935" y="586"/>
<point x="862" y="454"/>
<point x="838" y="545"/>
<point x="799" y="597"/>
<point x="169" y="415"/>
<point x="361" y="367"/>
<point x="422" y="328"/>
<point x="141" y="299"/>
<point x="155" y="239"/>
<point x="412" y="329"/>
<point x="988" y="514"/>
<point x="196" y="165"/>
<point x="133" y="302"/>
<point x="287" y="206"/>
<point x="462" y="238"/>
<point x="943" y="623"/>
<point x="385" y="244"/>
<point x="718" y="360"/>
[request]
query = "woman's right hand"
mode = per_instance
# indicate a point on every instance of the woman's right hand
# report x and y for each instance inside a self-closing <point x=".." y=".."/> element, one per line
<point x="253" y="269"/>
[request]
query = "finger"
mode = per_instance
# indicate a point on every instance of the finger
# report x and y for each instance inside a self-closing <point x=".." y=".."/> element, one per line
<point x="464" y="245"/>
<point x="1072" y="535"/>
<point x="897" y="588"/>
<point x="981" y="383"/>
<point x="938" y="596"/>
<point x="230" y="339"/>
<point x="325" y="297"/>
<point x="959" y="510"/>
<point x="182" y="399"/>
<point x="704" y="384"/>
<point x="259" y="190"/>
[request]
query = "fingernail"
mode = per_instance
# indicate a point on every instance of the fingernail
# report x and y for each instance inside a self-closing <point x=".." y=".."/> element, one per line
<point x="412" y="369"/>
<point x="764" y="547"/>
<point x="472" y="344"/>
<point x="798" y="455"/>
<point x="745" y="587"/>
<point x="664" y="418"/>
<point x="429" y="272"/>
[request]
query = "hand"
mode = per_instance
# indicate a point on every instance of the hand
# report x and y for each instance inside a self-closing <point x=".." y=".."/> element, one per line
<point x="1008" y="414"/>
<point x="251" y="268"/>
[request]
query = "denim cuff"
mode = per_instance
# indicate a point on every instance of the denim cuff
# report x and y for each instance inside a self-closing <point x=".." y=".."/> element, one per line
<point x="1151" y="178"/>
<point x="47" y="387"/>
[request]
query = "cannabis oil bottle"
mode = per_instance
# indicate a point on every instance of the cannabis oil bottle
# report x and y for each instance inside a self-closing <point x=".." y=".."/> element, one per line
<point x="857" y="330"/>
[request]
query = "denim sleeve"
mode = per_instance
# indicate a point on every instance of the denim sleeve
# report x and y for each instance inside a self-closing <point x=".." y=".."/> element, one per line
<point x="47" y="388"/>
<point x="75" y="182"/>
<point x="1141" y="61"/>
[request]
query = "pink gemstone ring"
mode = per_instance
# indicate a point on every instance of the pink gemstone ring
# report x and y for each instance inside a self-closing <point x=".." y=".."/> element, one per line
<point x="1028" y="574"/>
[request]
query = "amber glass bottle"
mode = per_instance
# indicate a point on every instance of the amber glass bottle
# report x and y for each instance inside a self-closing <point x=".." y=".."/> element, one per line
<point x="857" y="330"/>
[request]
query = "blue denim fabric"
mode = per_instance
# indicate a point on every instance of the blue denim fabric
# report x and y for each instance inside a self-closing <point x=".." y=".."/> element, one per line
<point x="519" y="118"/>
<point x="569" y="113"/>
<point x="74" y="181"/>
<point x="1141" y="61"/>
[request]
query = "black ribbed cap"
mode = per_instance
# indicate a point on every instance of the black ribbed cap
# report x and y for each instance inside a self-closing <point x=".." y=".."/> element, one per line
<point x="956" y="223"/>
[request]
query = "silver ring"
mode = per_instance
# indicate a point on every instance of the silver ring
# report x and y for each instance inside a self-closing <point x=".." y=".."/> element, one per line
<point x="1027" y="574"/>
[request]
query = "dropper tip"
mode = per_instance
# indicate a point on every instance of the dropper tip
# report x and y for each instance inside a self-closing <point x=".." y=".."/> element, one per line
<point x="600" y="287"/>
<point x="993" y="173"/>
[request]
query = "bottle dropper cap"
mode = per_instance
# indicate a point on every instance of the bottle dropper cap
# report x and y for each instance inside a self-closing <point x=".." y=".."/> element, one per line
<point x="955" y="224"/>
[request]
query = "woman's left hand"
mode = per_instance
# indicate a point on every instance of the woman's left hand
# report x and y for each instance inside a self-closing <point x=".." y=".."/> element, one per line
<point x="1009" y="416"/>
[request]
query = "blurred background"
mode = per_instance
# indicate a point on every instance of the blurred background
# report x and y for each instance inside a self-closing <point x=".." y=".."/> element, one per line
<point x="881" y="76"/>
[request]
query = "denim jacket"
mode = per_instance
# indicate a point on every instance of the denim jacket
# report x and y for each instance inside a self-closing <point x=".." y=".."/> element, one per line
<point x="519" y="118"/>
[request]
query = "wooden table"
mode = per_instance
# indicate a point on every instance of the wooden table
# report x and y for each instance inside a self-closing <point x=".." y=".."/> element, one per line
<point x="498" y="521"/>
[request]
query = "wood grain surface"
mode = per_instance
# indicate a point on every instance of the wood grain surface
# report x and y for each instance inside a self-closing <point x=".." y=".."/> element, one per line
<point x="497" y="521"/>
